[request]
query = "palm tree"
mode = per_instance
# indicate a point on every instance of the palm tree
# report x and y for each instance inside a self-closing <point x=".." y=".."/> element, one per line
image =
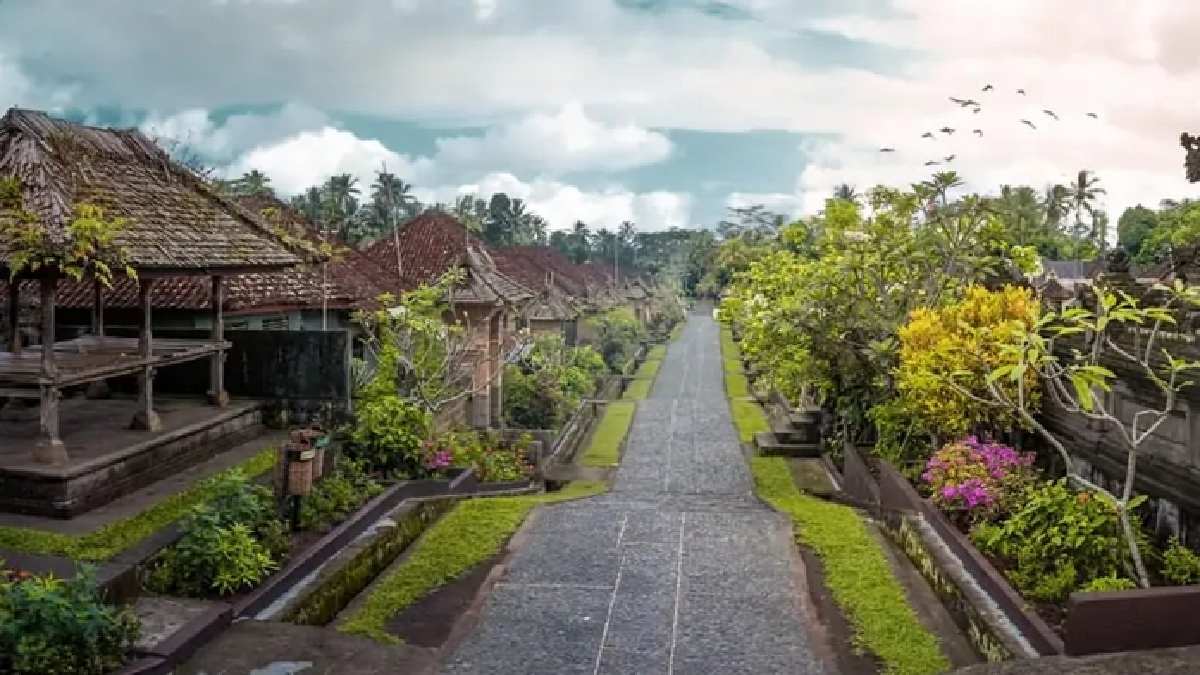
<point x="580" y="241"/>
<point x="1084" y="193"/>
<point x="941" y="183"/>
<point x="340" y="204"/>
<point x="252" y="183"/>
<point x="1021" y="212"/>
<point x="846" y="191"/>
<point x="391" y="201"/>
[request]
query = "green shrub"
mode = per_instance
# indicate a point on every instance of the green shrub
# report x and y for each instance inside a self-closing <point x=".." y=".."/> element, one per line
<point x="618" y="334"/>
<point x="387" y="434"/>
<point x="488" y="454"/>
<point x="1057" y="541"/>
<point x="49" y="625"/>
<point x="1181" y="565"/>
<point x="337" y="495"/>
<point x="543" y="389"/>
<point x="229" y="544"/>
<point x="1109" y="584"/>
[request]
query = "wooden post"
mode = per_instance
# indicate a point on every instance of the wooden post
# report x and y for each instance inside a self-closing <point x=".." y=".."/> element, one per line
<point x="97" y="307"/>
<point x="49" y="448"/>
<point x="14" y="315"/>
<point x="145" y="418"/>
<point x="99" y="388"/>
<point x="217" y="394"/>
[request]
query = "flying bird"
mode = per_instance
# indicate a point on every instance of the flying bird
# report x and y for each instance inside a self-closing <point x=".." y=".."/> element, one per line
<point x="988" y="87"/>
<point x="976" y="110"/>
<point x="932" y="163"/>
<point x="949" y="158"/>
<point x="1028" y="123"/>
<point x="927" y="134"/>
<point x="1051" y="114"/>
<point x="1093" y="116"/>
<point x="946" y="130"/>
<point x="960" y="101"/>
<point x="887" y="149"/>
<point x="977" y="132"/>
<point x="1021" y="92"/>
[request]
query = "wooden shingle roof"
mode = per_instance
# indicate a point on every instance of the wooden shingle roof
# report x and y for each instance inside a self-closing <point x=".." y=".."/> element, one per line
<point x="174" y="221"/>
<point x="434" y="243"/>
<point x="347" y="280"/>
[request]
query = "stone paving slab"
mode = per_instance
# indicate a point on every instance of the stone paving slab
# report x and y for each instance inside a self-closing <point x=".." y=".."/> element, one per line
<point x="678" y="569"/>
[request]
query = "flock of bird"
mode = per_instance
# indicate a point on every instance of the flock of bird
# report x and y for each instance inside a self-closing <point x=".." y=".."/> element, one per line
<point x="976" y="107"/>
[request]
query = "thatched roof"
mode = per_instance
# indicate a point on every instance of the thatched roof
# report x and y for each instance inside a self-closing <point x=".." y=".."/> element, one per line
<point x="348" y="280"/>
<point x="434" y="243"/>
<point x="174" y="221"/>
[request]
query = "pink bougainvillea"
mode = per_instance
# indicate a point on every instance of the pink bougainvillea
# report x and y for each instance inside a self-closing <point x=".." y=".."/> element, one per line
<point x="976" y="479"/>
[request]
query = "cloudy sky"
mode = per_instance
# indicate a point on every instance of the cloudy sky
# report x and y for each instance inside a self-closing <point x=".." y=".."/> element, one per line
<point x="659" y="111"/>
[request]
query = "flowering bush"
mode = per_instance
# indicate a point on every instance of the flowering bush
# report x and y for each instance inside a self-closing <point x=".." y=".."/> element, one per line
<point x="487" y="454"/>
<point x="977" y="479"/>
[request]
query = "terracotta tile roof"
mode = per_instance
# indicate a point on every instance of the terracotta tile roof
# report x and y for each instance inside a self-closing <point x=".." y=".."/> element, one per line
<point x="175" y="222"/>
<point x="432" y="244"/>
<point x="545" y="261"/>
<point x="350" y="279"/>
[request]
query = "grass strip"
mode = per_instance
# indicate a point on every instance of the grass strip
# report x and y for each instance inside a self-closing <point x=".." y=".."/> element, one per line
<point x="649" y="369"/>
<point x="637" y="390"/>
<point x="857" y="573"/>
<point x="605" y="446"/>
<point x="473" y="531"/>
<point x="657" y="353"/>
<point x="748" y="415"/>
<point x="111" y="539"/>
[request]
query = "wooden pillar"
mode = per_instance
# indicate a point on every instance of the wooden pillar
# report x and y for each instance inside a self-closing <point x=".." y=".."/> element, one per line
<point x="97" y="307"/>
<point x="14" y="315"/>
<point x="496" y="367"/>
<point x="49" y="448"/>
<point x="145" y="418"/>
<point x="216" y="393"/>
<point x="99" y="388"/>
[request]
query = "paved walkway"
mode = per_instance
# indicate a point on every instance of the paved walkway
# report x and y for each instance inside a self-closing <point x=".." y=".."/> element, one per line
<point x="678" y="570"/>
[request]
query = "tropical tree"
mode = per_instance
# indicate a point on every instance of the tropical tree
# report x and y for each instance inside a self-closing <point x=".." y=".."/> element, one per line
<point x="847" y="192"/>
<point x="252" y="183"/>
<point x="340" y="204"/>
<point x="1084" y="192"/>
<point x="1134" y="226"/>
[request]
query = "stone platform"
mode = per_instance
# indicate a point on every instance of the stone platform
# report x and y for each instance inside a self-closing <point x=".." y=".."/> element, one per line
<point x="107" y="459"/>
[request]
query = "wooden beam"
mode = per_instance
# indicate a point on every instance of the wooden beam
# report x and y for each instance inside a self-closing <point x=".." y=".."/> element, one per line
<point x="145" y="418"/>
<point x="14" y="315"/>
<point x="49" y="448"/>
<point x="217" y="394"/>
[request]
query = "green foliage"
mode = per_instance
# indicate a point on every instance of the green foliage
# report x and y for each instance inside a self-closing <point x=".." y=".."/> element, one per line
<point x="618" y="334"/>
<point x="748" y="416"/>
<point x="1134" y="227"/>
<point x="49" y="625"/>
<point x="605" y="446"/>
<point x="1176" y="230"/>
<point x="119" y="535"/>
<point x="387" y="434"/>
<point x="488" y="454"/>
<point x="1180" y="564"/>
<point x="1057" y="541"/>
<point x="90" y="245"/>
<point x="1102" y="584"/>
<point x="472" y="532"/>
<point x="224" y="546"/>
<point x="857" y="573"/>
<point x="337" y="495"/>
<point x="946" y="356"/>
<point x="546" y="386"/>
<point x="638" y="389"/>
<point x="820" y="321"/>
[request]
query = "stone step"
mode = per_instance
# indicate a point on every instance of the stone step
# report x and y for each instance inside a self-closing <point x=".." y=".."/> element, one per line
<point x="768" y="443"/>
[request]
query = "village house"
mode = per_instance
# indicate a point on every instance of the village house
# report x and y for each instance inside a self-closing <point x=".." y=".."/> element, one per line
<point x="489" y="303"/>
<point x="172" y="225"/>
<point x="562" y="297"/>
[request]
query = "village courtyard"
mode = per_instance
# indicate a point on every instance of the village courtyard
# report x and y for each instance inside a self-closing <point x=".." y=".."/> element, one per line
<point x="610" y="336"/>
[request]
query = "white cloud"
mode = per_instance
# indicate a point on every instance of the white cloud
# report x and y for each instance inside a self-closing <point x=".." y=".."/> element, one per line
<point x="199" y="132"/>
<point x="561" y="204"/>
<point x="566" y="141"/>
<point x="309" y="157"/>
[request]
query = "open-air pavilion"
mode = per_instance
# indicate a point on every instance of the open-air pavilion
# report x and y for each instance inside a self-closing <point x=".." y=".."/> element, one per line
<point x="172" y="225"/>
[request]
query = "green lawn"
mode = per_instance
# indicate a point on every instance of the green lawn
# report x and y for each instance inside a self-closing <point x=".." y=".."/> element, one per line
<point x="857" y="573"/>
<point x="473" y="531"/>
<point x="649" y="369"/>
<point x="637" y="390"/>
<point x="605" y="447"/>
<point x="119" y="535"/>
<point x="748" y="415"/>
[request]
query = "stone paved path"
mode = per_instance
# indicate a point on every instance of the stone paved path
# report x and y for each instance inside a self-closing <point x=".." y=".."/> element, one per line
<point x="678" y="570"/>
